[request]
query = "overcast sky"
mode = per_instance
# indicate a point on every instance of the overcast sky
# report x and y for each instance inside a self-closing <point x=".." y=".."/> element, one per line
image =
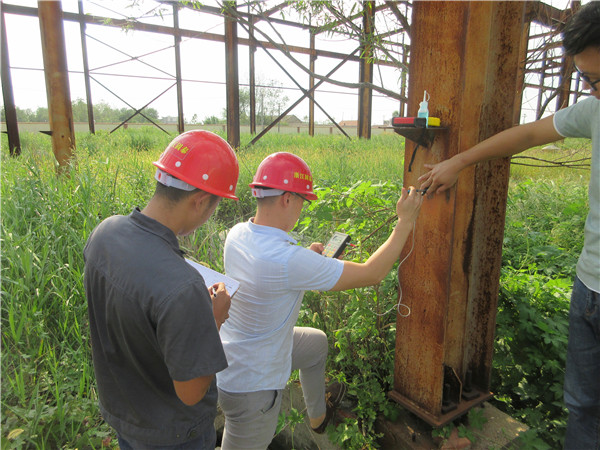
<point x="203" y="64"/>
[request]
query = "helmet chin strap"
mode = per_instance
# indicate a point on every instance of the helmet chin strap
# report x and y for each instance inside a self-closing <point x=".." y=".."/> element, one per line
<point x="170" y="181"/>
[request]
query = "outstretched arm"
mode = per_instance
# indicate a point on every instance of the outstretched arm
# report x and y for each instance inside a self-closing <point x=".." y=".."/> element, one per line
<point x="380" y="263"/>
<point x="443" y="176"/>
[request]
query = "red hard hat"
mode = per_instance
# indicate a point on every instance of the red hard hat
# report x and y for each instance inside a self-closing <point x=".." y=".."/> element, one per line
<point x="287" y="172"/>
<point x="203" y="160"/>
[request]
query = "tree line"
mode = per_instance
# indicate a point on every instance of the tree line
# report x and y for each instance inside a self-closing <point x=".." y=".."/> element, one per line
<point x="270" y="102"/>
<point x="103" y="112"/>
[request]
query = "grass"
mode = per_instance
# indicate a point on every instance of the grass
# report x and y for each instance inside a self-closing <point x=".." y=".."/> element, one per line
<point x="48" y="388"/>
<point x="551" y="162"/>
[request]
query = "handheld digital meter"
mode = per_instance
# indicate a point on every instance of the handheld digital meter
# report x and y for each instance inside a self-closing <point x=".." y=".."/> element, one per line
<point x="336" y="245"/>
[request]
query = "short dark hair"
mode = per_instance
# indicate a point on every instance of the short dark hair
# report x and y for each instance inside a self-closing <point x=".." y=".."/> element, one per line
<point x="583" y="29"/>
<point x="175" y="195"/>
<point x="171" y="193"/>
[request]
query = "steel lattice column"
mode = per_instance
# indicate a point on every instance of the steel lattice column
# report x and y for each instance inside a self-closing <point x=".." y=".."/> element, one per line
<point x="177" y="35"/>
<point x="365" y="94"/>
<point x="10" y="110"/>
<point x="466" y="55"/>
<point x="86" y="69"/>
<point x="233" y="86"/>
<point x="60" y="111"/>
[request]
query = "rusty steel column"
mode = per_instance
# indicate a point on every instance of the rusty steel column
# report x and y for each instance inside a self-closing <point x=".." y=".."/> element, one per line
<point x="252" y="76"/>
<point x="86" y="70"/>
<point x="365" y="94"/>
<point x="567" y="67"/>
<point x="10" y="111"/>
<point x="540" y="101"/>
<point x="60" y="112"/>
<point x="444" y="347"/>
<point x="311" y="86"/>
<point x="177" y="36"/>
<point x="233" y="86"/>
<point x="522" y="67"/>
<point x="403" y="76"/>
<point x="564" y="88"/>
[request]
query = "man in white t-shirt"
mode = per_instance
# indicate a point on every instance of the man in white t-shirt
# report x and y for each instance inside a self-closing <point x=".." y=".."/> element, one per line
<point x="260" y="339"/>
<point x="581" y="39"/>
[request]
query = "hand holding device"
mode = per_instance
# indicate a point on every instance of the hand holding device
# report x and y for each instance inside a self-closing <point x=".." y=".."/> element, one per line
<point x="336" y="245"/>
<point x="409" y="204"/>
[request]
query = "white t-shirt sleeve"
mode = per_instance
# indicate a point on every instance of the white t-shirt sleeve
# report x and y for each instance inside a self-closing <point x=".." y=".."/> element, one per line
<point x="310" y="271"/>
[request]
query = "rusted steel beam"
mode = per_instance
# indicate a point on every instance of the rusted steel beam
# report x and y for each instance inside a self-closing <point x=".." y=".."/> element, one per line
<point x="403" y="20"/>
<point x="257" y="17"/>
<point x="86" y="70"/>
<point x="346" y="19"/>
<point x="252" y="76"/>
<point x="60" y="111"/>
<point x="365" y="94"/>
<point x="297" y="102"/>
<point x="180" y="118"/>
<point x="544" y="35"/>
<point x="522" y="71"/>
<point x="231" y="76"/>
<point x="545" y="14"/>
<point x="451" y="280"/>
<point x="275" y="9"/>
<point x="551" y="61"/>
<point x="10" y="111"/>
<point x="185" y="33"/>
<point x="311" y="86"/>
<point x="403" y="84"/>
<point x="137" y="111"/>
<point x="538" y="110"/>
<point x="305" y="93"/>
<point x="566" y="71"/>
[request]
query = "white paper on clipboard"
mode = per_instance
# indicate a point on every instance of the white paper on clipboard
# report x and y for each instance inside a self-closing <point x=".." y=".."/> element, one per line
<point x="212" y="276"/>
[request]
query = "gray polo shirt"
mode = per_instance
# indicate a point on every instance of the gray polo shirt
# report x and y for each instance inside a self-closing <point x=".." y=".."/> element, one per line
<point x="583" y="120"/>
<point x="151" y="322"/>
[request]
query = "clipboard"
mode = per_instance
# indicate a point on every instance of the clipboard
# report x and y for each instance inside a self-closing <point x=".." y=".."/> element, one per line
<point x="212" y="276"/>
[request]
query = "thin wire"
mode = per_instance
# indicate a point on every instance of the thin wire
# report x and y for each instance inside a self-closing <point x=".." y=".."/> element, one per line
<point x="398" y="305"/>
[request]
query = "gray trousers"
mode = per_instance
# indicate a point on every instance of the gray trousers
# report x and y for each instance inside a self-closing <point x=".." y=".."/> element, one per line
<point x="251" y="417"/>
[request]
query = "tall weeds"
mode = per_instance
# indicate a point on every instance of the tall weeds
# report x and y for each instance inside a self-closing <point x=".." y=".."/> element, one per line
<point x="48" y="388"/>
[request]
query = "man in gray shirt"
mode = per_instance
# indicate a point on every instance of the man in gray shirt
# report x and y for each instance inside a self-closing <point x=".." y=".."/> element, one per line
<point x="153" y="321"/>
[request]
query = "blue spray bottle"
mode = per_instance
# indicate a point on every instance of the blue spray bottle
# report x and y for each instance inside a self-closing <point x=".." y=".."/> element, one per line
<point x="423" y="108"/>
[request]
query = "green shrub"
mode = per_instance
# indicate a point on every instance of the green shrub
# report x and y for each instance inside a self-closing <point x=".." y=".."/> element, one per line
<point x="48" y="388"/>
<point x="530" y="350"/>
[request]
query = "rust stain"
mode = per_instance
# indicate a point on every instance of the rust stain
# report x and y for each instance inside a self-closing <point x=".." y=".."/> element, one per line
<point x="451" y="282"/>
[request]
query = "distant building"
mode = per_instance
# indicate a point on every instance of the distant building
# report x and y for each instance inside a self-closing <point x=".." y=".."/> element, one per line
<point x="348" y="123"/>
<point x="291" y="119"/>
<point x="169" y="119"/>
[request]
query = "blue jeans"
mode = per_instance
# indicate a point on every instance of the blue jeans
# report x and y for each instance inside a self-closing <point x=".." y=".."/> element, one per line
<point x="205" y="442"/>
<point x="582" y="377"/>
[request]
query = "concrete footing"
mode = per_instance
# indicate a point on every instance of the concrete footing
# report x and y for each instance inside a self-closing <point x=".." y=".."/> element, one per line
<point x="499" y="431"/>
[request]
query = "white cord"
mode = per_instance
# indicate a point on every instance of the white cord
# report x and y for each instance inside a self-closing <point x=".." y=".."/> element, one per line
<point x="400" y="304"/>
